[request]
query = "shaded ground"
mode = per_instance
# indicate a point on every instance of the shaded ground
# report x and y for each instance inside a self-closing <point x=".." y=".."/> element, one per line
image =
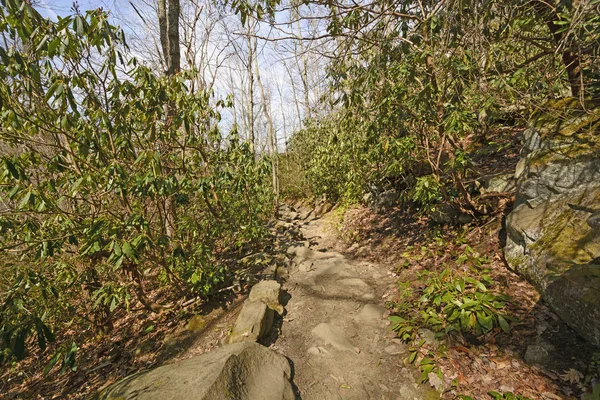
<point x="335" y="332"/>
<point x="408" y="245"/>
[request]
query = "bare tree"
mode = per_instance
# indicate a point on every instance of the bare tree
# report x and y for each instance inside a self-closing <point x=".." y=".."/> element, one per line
<point x="168" y="21"/>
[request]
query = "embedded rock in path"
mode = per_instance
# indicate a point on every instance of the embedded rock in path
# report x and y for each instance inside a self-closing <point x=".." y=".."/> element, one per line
<point x="329" y="334"/>
<point x="253" y="323"/>
<point x="304" y="253"/>
<point x="370" y="312"/>
<point x="305" y="266"/>
<point x="269" y="293"/>
<point x="241" y="371"/>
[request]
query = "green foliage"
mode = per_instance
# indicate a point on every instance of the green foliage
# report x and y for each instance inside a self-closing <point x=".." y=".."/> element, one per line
<point x="422" y="91"/>
<point x="507" y="396"/>
<point x="453" y="302"/>
<point x="97" y="154"/>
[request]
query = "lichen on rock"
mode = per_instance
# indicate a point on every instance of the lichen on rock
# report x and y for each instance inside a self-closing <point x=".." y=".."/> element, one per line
<point x="548" y="241"/>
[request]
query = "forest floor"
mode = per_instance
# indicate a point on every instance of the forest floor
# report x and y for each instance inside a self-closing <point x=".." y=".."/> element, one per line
<point x="349" y="267"/>
<point x="406" y="246"/>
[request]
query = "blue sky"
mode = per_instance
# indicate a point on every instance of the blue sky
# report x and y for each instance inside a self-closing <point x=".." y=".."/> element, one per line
<point x="272" y="69"/>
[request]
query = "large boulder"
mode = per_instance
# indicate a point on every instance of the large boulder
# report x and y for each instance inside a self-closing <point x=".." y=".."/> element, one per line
<point x="241" y="371"/>
<point x="549" y="238"/>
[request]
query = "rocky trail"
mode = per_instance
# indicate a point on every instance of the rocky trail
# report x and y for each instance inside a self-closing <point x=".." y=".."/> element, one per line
<point x="335" y="330"/>
<point x="323" y="335"/>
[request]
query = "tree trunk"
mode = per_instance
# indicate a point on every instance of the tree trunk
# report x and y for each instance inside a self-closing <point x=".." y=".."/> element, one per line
<point x="162" y="25"/>
<point x="168" y="20"/>
<point x="271" y="141"/>
<point x="250" y="111"/>
<point x="174" y="65"/>
<point x="570" y="58"/>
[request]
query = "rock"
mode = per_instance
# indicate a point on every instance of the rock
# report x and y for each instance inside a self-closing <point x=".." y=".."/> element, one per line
<point x="386" y="200"/>
<point x="329" y="334"/>
<point x="195" y="324"/>
<point x="304" y="253"/>
<point x="254" y="321"/>
<point x="548" y="242"/>
<point x="593" y="221"/>
<point x="244" y="371"/>
<point x="354" y="282"/>
<point x="269" y="293"/>
<point x="370" y="312"/>
<point x="367" y="297"/>
<point x="282" y="273"/>
<point x="170" y="341"/>
<point x="361" y="251"/>
<point x="444" y="214"/>
<point x="305" y="266"/>
<point x="500" y="183"/>
<point x="354" y="247"/>
<point x="429" y="337"/>
<point x="292" y="216"/>
<point x="317" y="351"/>
<point x="292" y="250"/>
<point x="536" y="354"/>
<point x="465" y="218"/>
<point x="393" y="350"/>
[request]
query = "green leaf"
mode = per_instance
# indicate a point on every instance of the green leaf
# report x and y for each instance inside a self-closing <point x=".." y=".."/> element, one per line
<point x="25" y="200"/>
<point x="127" y="250"/>
<point x="503" y="324"/>
<point x="412" y="357"/>
<point x="52" y="363"/>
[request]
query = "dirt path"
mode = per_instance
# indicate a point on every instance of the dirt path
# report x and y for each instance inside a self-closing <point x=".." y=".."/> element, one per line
<point x="335" y="331"/>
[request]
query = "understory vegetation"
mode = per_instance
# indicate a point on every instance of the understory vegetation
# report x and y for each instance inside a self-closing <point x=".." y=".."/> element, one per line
<point x="123" y="190"/>
<point x="426" y="94"/>
<point x="118" y="188"/>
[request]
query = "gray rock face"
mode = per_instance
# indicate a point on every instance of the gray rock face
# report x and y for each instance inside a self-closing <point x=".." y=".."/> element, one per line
<point x="267" y="292"/>
<point x="329" y="334"/>
<point x="253" y="322"/>
<point x="549" y="241"/>
<point x="370" y="312"/>
<point x="500" y="183"/>
<point x="242" y="371"/>
<point x="537" y="354"/>
<point x="256" y="318"/>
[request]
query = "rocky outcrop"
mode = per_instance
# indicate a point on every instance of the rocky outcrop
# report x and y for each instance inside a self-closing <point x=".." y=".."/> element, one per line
<point x="241" y="371"/>
<point x="549" y="237"/>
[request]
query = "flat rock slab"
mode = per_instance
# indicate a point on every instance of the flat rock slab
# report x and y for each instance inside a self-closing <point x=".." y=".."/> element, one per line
<point x="331" y="335"/>
<point x="370" y="312"/>
<point x="253" y="323"/>
<point x="241" y="371"/>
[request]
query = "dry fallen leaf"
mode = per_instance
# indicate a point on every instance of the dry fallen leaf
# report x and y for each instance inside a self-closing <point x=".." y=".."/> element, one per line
<point x="572" y="376"/>
<point x="435" y="381"/>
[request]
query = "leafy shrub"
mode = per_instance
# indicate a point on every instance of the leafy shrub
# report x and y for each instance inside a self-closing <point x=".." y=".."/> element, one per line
<point x="451" y="302"/>
<point x="114" y="181"/>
